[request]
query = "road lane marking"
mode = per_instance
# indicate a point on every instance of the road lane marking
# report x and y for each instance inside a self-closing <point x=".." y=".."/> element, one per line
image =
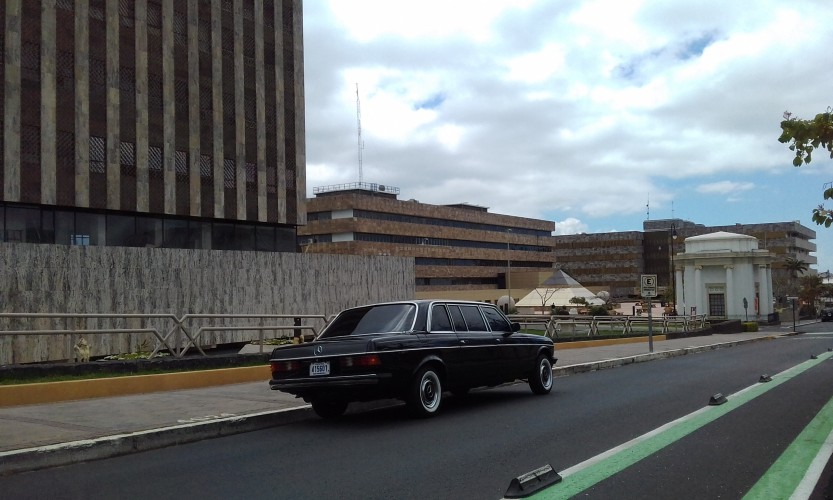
<point x="795" y="474"/>
<point x="596" y="469"/>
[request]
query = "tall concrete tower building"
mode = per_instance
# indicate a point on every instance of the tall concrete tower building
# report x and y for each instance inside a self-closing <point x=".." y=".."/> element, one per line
<point x="152" y="123"/>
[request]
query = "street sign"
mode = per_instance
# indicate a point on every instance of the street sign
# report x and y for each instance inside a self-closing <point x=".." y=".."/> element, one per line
<point x="649" y="285"/>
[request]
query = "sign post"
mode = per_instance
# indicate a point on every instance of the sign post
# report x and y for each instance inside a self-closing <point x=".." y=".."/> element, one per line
<point x="793" y="300"/>
<point x="649" y="291"/>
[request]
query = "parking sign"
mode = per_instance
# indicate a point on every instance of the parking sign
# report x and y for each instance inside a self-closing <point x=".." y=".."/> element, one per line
<point x="649" y="285"/>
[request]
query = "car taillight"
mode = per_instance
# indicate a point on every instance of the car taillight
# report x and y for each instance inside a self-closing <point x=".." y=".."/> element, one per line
<point x="285" y="366"/>
<point x="365" y="361"/>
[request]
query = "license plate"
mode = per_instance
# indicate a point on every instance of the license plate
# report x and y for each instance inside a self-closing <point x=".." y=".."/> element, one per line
<point x="322" y="368"/>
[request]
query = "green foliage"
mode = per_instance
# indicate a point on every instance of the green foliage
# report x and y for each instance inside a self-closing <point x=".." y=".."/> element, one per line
<point x="749" y="326"/>
<point x="578" y="300"/>
<point x="560" y="311"/>
<point x="804" y="136"/>
<point x="597" y="311"/>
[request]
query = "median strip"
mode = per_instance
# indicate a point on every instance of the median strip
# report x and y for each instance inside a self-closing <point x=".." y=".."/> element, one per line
<point x="594" y="470"/>
<point x="797" y="470"/>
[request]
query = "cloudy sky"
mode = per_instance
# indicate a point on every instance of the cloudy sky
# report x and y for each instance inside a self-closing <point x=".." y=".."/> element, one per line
<point x="581" y="112"/>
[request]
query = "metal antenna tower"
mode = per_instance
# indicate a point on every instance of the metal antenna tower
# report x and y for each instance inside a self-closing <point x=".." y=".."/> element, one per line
<point x="359" y="128"/>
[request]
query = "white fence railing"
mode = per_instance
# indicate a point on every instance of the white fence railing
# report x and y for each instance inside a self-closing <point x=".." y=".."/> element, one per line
<point x="592" y="326"/>
<point x="34" y="337"/>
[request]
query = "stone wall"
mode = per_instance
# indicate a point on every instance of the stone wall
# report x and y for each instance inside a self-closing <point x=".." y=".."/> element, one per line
<point x="77" y="279"/>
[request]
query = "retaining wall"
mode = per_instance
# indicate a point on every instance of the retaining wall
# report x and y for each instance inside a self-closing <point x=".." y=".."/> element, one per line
<point x="76" y="279"/>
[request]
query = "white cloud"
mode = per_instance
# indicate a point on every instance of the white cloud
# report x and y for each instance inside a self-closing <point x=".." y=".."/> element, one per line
<point x="576" y="110"/>
<point x="570" y="225"/>
<point x="725" y="187"/>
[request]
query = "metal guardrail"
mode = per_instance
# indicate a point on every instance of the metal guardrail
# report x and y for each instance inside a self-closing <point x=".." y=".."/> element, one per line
<point x="591" y="326"/>
<point x="177" y="335"/>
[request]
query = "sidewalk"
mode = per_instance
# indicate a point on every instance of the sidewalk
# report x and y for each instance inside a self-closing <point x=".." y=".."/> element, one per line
<point x="48" y="435"/>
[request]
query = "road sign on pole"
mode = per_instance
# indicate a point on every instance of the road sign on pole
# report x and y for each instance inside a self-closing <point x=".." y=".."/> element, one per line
<point x="649" y="285"/>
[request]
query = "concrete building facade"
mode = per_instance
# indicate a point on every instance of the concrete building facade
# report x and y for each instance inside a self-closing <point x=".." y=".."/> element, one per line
<point x="614" y="261"/>
<point x="460" y="251"/>
<point x="152" y="123"/>
<point x="724" y="275"/>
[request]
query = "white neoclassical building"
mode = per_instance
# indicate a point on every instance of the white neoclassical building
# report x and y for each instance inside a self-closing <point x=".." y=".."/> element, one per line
<point x="719" y="273"/>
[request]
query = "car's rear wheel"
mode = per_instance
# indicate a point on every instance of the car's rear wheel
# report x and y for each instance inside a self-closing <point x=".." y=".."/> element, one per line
<point x="426" y="393"/>
<point x="329" y="409"/>
<point x="540" y="380"/>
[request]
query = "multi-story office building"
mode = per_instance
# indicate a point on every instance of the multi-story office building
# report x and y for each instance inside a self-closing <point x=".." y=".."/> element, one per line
<point x="614" y="261"/>
<point x="152" y="123"/>
<point x="460" y="250"/>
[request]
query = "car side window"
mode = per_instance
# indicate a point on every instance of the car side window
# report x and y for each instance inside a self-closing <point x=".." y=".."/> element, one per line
<point x="497" y="322"/>
<point x="439" y="319"/>
<point x="457" y="319"/>
<point x="473" y="318"/>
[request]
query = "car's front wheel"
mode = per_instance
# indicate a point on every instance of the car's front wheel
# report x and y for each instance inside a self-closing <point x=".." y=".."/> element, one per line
<point x="329" y="409"/>
<point x="426" y="393"/>
<point x="540" y="380"/>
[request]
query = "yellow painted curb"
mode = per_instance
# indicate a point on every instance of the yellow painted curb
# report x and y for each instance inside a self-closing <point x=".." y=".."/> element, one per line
<point x="51" y="392"/>
<point x="580" y="344"/>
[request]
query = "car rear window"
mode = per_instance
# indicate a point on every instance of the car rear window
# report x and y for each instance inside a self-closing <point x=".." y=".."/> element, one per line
<point x="457" y="318"/>
<point x="439" y="319"/>
<point x="373" y="319"/>
<point x="473" y="318"/>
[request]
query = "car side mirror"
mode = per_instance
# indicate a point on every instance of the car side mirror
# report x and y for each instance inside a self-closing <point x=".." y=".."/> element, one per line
<point x="516" y="327"/>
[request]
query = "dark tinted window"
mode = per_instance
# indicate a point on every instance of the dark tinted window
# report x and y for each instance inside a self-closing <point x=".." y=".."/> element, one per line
<point x="439" y="319"/>
<point x="373" y="319"/>
<point x="457" y="318"/>
<point x="473" y="318"/>
<point x="497" y="322"/>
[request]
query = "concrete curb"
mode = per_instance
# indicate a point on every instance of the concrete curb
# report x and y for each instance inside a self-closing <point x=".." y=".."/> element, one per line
<point x="564" y="371"/>
<point x="62" y="454"/>
<point x="28" y="459"/>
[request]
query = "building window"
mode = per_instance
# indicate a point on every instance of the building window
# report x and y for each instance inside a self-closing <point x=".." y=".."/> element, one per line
<point x="717" y="305"/>
<point x="98" y="155"/>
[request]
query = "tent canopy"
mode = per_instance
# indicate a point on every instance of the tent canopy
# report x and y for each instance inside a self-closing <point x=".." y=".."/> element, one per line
<point x="557" y="290"/>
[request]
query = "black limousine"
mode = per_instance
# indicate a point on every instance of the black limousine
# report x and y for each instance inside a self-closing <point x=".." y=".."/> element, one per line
<point x="414" y="351"/>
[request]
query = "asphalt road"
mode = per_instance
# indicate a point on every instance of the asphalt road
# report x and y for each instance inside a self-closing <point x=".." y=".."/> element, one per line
<point x="479" y="443"/>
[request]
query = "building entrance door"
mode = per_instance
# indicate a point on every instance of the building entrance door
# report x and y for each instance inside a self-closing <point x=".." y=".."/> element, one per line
<point x="717" y="305"/>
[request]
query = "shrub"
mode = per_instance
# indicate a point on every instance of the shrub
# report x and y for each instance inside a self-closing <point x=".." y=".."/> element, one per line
<point x="598" y="311"/>
<point x="749" y="326"/>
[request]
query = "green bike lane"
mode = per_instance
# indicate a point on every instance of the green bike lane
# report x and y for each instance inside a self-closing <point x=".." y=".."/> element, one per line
<point x="770" y="440"/>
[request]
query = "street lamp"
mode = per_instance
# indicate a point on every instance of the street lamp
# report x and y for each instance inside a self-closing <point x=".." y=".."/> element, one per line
<point x="508" y="272"/>
<point x="673" y="270"/>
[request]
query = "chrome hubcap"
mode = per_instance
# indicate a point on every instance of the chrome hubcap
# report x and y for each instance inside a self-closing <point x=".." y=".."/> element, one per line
<point x="546" y="374"/>
<point x="428" y="390"/>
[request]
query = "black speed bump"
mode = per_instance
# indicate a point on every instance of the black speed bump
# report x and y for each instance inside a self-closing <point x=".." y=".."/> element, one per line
<point x="527" y="484"/>
<point x="717" y="399"/>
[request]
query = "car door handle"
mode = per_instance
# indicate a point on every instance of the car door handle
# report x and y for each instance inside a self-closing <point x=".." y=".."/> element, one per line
<point x="462" y="341"/>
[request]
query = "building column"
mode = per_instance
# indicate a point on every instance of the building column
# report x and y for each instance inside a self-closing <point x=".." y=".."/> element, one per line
<point x="731" y="310"/>
<point x="168" y="113"/>
<point x="260" y="103"/>
<point x="764" y="294"/>
<point x="82" y="103"/>
<point x="47" y="111"/>
<point x="217" y="106"/>
<point x="679" y="291"/>
<point x="112" y="112"/>
<point x="11" y="106"/>
<point x="698" y="289"/>
<point x="142" y="174"/>
<point x="194" y="177"/>
<point x="239" y="113"/>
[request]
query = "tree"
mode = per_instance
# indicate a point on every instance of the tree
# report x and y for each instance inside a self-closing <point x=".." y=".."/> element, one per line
<point x="812" y="288"/>
<point x="545" y="296"/>
<point x="794" y="266"/>
<point x="804" y="136"/>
